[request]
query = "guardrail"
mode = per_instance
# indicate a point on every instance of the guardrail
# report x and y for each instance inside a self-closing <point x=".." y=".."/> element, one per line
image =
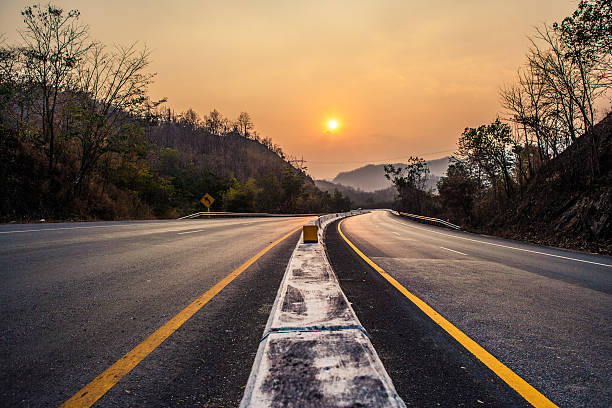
<point x="214" y="214"/>
<point x="322" y="221"/>
<point x="429" y="220"/>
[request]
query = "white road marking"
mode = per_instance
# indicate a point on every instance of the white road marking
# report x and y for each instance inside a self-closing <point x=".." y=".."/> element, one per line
<point x="504" y="246"/>
<point x="67" y="228"/>
<point x="452" y="250"/>
<point x="401" y="237"/>
<point x="189" y="232"/>
<point x="118" y="225"/>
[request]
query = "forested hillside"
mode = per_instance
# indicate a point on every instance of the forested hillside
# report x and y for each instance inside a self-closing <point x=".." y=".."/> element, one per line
<point x="80" y="138"/>
<point x="564" y="204"/>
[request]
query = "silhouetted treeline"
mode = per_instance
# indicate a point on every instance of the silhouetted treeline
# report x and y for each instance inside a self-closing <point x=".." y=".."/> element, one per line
<point x="81" y="139"/>
<point x="383" y="198"/>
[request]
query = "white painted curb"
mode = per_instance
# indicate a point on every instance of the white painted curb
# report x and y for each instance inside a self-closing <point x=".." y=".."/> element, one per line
<point x="314" y="350"/>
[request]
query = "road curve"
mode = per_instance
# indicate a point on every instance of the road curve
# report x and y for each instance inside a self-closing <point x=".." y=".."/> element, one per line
<point x="543" y="312"/>
<point x="76" y="297"/>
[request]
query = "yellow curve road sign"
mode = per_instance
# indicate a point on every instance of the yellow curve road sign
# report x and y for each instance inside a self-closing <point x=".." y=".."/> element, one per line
<point x="207" y="200"/>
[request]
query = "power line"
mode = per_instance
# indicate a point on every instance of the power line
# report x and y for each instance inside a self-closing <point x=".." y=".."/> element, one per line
<point x="379" y="160"/>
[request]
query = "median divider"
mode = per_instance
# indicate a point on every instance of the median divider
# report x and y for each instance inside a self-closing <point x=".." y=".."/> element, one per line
<point x="314" y="351"/>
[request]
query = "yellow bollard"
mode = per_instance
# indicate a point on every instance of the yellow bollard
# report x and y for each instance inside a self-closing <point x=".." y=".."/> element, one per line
<point x="310" y="233"/>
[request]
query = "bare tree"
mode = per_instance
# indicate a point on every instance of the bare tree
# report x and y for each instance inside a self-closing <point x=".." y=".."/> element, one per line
<point x="191" y="118"/>
<point x="55" y="44"/>
<point x="227" y="126"/>
<point x="14" y="97"/>
<point x="587" y="39"/>
<point x="516" y="100"/>
<point x="561" y="81"/>
<point x="214" y="122"/>
<point x="8" y="62"/>
<point x="113" y="88"/>
<point x="568" y="70"/>
<point x="245" y="124"/>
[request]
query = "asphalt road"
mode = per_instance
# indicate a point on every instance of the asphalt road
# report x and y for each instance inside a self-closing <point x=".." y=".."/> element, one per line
<point x="545" y="313"/>
<point x="76" y="297"/>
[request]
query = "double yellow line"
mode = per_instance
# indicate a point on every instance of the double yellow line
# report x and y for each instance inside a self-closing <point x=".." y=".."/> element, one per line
<point x="100" y="385"/>
<point x="529" y="393"/>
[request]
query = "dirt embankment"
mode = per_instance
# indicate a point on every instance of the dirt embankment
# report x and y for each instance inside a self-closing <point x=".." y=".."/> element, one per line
<point x="566" y="204"/>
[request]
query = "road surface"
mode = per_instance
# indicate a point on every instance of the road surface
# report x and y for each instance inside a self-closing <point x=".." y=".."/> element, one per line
<point x="544" y="313"/>
<point x="76" y="297"/>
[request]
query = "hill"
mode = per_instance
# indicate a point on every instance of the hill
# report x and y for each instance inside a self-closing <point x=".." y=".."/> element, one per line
<point x="226" y="154"/>
<point x="438" y="167"/>
<point x="371" y="177"/>
<point x="564" y="204"/>
<point x="160" y="168"/>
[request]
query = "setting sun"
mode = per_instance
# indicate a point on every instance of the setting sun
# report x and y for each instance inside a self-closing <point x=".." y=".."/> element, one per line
<point x="333" y="124"/>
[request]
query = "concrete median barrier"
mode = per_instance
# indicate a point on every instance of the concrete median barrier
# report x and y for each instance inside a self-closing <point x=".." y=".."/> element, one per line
<point x="314" y="350"/>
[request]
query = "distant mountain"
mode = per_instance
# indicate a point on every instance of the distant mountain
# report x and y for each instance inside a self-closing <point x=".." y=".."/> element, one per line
<point x="372" y="177"/>
<point x="438" y="167"/>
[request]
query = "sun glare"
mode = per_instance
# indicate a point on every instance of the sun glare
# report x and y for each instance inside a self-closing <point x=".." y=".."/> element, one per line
<point x="333" y="124"/>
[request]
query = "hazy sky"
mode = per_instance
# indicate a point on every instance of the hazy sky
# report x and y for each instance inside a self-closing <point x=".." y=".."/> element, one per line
<point x="402" y="77"/>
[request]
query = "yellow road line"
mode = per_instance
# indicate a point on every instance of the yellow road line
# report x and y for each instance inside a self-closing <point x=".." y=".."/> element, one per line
<point x="100" y="385"/>
<point x="533" y="396"/>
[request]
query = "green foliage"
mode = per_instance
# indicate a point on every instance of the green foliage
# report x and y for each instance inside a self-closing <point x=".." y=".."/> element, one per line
<point x="339" y="202"/>
<point x="292" y="184"/>
<point x="410" y="182"/>
<point x="189" y="183"/>
<point x="270" y="194"/>
<point x="414" y="175"/>
<point x="488" y="150"/>
<point x="457" y="192"/>
<point x="240" y="197"/>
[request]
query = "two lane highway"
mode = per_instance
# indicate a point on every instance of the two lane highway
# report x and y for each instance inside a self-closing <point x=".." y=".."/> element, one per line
<point x="544" y="313"/>
<point x="77" y="297"/>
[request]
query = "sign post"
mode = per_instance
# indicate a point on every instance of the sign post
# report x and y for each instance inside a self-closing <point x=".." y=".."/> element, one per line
<point x="207" y="200"/>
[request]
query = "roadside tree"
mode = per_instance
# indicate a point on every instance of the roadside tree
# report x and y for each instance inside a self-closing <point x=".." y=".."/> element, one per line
<point x="55" y="43"/>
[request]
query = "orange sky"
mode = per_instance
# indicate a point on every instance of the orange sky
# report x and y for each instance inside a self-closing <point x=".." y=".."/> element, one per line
<point x="402" y="77"/>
